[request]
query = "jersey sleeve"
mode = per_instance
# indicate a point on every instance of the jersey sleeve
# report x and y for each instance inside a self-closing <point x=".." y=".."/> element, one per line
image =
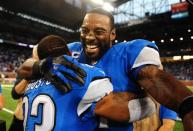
<point x="166" y="113"/>
<point x="147" y="56"/>
<point x="141" y="53"/>
<point x="97" y="89"/>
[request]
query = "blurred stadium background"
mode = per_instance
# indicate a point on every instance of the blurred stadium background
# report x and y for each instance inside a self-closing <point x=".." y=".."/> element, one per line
<point x="23" y="23"/>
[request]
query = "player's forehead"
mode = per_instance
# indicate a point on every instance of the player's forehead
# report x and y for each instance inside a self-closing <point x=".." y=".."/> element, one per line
<point x="94" y="20"/>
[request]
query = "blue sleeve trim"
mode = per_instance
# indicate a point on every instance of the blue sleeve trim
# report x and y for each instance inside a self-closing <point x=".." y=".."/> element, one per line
<point x="166" y="113"/>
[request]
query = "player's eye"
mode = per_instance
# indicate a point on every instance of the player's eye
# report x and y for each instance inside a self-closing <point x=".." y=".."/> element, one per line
<point x="99" y="32"/>
<point x="84" y="31"/>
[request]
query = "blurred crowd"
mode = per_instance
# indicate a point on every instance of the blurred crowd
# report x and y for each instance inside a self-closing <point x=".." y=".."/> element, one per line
<point x="12" y="57"/>
<point x="183" y="70"/>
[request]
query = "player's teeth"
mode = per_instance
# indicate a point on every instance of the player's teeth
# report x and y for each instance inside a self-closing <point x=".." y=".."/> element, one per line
<point x="91" y="46"/>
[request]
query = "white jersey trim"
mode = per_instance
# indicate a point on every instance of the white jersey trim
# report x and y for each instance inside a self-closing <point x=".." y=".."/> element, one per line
<point x="96" y="90"/>
<point x="147" y="56"/>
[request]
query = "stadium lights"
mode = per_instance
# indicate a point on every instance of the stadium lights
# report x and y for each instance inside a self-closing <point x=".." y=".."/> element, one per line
<point x="162" y="41"/>
<point x="181" y="38"/>
<point x="191" y="37"/>
<point x="1" y="40"/>
<point x="45" y="22"/>
<point x="99" y="2"/>
<point x="31" y="46"/>
<point x="22" y="44"/>
<point x="171" y="39"/>
<point x="105" y="5"/>
<point x="16" y="43"/>
<point x="108" y="7"/>
<point x="177" y="57"/>
<point x="187" y="57"/>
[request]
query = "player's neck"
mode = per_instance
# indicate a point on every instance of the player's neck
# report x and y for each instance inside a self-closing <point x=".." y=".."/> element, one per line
<point x="93" y="62"/>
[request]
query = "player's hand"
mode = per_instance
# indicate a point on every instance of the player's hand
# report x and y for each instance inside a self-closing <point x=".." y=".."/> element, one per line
<point x="60" y="75"/>
<point x="63" y="72"/>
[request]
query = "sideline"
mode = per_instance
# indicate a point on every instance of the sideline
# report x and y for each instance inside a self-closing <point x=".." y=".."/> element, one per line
<point x="7" y="110"/>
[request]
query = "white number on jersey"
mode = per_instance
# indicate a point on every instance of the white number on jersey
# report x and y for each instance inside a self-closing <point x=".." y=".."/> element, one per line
<point x="48" y="112"/>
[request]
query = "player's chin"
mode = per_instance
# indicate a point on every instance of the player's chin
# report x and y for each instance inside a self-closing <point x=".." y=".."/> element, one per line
<point x="92" y="55"/>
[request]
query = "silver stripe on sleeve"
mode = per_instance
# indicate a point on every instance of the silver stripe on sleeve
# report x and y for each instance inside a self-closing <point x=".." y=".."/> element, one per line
<point x="147" y="56"/>
<point x="96" y="90"/>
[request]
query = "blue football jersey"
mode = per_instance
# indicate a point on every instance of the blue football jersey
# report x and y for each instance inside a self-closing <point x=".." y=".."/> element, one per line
<point x="47" y="109"/>
<point x="121" y="64"/>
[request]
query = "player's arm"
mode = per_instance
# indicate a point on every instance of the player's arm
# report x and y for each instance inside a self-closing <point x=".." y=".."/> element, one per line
<point x="163" y="86"/>
<point x="168" y="119"/>
<point x="124" y="106"/>
<point x="19" y="88"/>
<point x="21" y="81"/>
<point x="188" y="121"/>
<point x="121" y="106"/>
<point x="169" y="92"/>
<point x="167" y="125"/>
<point x="115" y="106"/>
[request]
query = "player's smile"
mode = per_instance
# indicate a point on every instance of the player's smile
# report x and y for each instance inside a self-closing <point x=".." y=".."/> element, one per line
<point x="91" y="49"/>
<point x="91" y="46"/>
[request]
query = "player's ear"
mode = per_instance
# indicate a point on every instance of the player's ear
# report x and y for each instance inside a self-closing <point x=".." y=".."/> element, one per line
<point x="113" y="34"/>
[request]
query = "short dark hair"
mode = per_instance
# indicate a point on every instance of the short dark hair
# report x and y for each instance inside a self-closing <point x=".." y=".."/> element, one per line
<point x="52" y="45"/>
<point x="101" y="11"/>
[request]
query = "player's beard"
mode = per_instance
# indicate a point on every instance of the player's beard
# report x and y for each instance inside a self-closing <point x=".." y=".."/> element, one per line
<point x="103" y="48"/>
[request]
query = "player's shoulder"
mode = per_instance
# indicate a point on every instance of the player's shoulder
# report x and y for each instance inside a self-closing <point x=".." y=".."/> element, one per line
<point x="136" y="44"/>
<point x="75" y="48"/>
<point x="132" y="48"/>
<point x="74" y="45"/>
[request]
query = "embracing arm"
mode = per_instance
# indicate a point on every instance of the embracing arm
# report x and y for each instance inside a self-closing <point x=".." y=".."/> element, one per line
<point x="19" y="88"/>
<point x="163" y="87"/>
<point x="168" y="91"/>
<point x="167" y="125"/>
<point x="115" y="105"/>
<point x="22" y="72"/>
<point x="124" y="106"/>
